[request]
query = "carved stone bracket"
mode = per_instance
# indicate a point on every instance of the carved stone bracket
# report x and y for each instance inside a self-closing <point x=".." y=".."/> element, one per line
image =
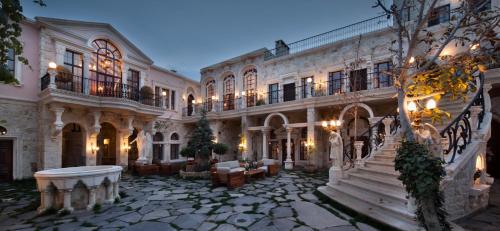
<point x="58" y="123"/>
<point x="96" y="126"/>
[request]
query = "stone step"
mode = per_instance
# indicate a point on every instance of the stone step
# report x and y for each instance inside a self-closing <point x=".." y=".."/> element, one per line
<point x="389" y="183"/>
<point x="378" y="192"/>
<point x="379" y="172"/>
<point x="394" y="216"/>
<point x="384" y="157"/>
<point x="380" y="163"/>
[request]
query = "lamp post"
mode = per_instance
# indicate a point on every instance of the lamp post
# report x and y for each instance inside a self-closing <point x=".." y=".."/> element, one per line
<point x="52" y="70"/>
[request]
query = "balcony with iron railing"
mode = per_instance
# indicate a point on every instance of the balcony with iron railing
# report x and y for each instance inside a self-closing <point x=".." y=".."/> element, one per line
<point x="342" y="33"/>
<point x="291" y="93"/>
<point x="68" y="82"/>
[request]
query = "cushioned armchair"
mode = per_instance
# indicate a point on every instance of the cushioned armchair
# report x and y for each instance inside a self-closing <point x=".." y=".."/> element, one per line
<point x="228" y="173"/>
<point x="270" y="166"/>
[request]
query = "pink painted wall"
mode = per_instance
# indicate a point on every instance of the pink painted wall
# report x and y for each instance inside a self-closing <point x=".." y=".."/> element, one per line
<point x="30" y="83"/>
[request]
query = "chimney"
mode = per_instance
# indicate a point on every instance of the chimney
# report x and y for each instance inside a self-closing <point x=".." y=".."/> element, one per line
<point x="281" y="48"/>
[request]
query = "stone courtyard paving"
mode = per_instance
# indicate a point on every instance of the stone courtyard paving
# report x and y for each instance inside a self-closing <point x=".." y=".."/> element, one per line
<point x="285" y="202"/>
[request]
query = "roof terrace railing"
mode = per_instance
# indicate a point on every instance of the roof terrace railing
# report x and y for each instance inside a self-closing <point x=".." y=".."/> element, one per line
<point x="359" y="28"/>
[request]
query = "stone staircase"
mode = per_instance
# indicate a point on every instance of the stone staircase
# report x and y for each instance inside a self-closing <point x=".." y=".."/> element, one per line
<point x="374" y="190"/>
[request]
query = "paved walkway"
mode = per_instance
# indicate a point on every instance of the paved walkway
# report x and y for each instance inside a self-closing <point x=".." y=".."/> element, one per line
<point x="285" y="202"/>
<point x="489" y="219"/>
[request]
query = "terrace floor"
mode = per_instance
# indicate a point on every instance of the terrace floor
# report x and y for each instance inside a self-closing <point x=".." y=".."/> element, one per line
<point x="285" y="202"/>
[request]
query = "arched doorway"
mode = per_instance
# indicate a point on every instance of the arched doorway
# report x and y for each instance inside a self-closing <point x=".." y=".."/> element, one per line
<point x="106" y="141"/>
<point x="174" y="146"/>
<point x="157" y="147"/>
<point x="133" y="152"/>
<point x="358" y="130"/>
<point x="190" y="105"/>
<point x="73" y="151"/>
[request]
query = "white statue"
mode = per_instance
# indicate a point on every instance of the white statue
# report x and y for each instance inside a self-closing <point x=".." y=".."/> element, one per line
<point x="144" y="145"/>
<point x="336" y="154"/>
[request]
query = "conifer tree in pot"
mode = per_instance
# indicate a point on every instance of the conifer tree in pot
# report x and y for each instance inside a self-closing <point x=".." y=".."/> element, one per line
<point x="202" y="143"/>
<point x="220" y="149"/>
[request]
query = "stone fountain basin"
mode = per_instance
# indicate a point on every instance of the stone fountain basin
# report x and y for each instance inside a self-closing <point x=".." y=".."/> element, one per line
<point x="77" y="187"/>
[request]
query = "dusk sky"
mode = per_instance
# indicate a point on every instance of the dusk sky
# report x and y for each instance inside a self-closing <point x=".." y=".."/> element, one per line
<point x="187" y="35"/>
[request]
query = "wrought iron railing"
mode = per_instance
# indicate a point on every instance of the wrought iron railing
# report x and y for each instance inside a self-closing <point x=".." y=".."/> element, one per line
<point x="355" y="29"/>
<point x="459" y="131"/>
<point x="375" y="140"/>
<point x="74" y="83"/>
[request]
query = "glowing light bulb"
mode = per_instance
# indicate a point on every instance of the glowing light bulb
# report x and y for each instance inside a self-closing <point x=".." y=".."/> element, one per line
<point x="412" y="106"/>
<point x="431" y="104"/>
<point x="309" y="80"/>
<point x="324" y="124"/>
<point x="412" y="60"/>
<point x="52" y="65"/>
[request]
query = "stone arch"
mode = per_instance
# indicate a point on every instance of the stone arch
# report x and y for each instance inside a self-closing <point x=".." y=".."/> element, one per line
<point x="366" y="107"/>
<point x="110" y="39"/>
<point x="174" y="136"/>
<point x="73" y="145"/>
<point x="270" y="116"/>
<point x="248" y="67"/>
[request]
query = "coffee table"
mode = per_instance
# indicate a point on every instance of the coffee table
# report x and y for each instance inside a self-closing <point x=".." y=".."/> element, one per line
<point x="254" y="173"/>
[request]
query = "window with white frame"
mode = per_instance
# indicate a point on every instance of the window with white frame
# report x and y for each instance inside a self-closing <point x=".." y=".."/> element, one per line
<point x="11" y="62"/>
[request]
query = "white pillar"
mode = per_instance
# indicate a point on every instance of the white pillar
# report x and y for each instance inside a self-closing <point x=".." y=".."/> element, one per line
<point x="92" y="197"/>
<point x="387" y="124"/>
<point x="358" y="146"/>
<point x="311" y="118"/>
<point x="265" y="136"/>
<point x="166" y="153"/>
<point x="67" y="200"/>
<point x="289" y="161"/>
<point x="46" y="200"/>
<point x="52" y="78"/>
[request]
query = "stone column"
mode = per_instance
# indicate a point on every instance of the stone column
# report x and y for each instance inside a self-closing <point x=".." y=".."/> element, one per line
<point x="52" y="78"/>
<point x="109" y="193"/>
<point x="67" y="199"/>
<point x="245" y="138"/>
<point x="289" y="161"/>
<point x="46" y="200"/>
<point x="265" y="136"/>
<point x="311" y="120"/>
<point x="387" y="124"/>
<point x="474" y="120"/>
<point x="166" y="153"/>
<point x="358" y="146"/>
<point x="92" y="197"/>
<point x="60" y="51"/>
<point x="116" y="190"/>
<point x="86" y="73"/>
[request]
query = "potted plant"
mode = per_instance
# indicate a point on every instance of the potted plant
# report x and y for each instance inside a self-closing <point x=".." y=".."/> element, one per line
<point x="220" y="149"/>
<point x="189" y="153"/>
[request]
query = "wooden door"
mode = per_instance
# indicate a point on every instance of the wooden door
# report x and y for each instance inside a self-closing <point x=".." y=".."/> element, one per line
<point x="6" y="156"/>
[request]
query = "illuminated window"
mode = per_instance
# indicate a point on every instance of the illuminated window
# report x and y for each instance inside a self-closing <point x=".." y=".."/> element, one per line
<point x="228" y="92"/>
<point x="250" y="86"/>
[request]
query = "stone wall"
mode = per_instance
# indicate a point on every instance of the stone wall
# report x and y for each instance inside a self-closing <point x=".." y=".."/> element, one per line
<point x="21" y="122"/>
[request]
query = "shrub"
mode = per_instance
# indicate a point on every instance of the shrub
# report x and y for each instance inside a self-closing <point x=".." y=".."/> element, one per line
<point x="421" y="173"/>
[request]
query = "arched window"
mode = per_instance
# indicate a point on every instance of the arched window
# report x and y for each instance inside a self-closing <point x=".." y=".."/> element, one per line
<point x="210" y="93"/>
<point x="250" y="86"/>
<point x="174" y="146"/>
<point x="105" y="69"/>
<point x="190" y="105"/>
<point x="229" y="92"/>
